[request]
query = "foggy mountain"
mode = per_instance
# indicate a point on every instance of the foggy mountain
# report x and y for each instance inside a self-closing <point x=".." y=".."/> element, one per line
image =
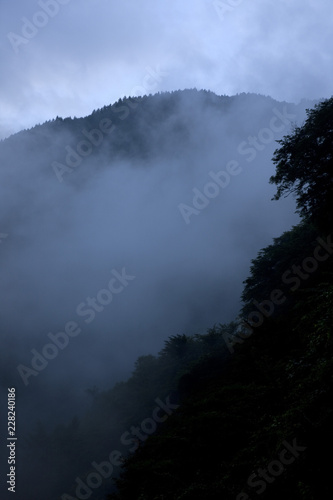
<point x="125" y="227"/>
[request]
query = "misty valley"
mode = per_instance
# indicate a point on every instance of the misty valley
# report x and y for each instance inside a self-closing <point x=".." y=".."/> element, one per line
<point x="167" y="300"/>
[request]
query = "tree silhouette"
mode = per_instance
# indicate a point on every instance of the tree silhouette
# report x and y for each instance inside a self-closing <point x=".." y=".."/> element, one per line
<point x="305" y="165"/>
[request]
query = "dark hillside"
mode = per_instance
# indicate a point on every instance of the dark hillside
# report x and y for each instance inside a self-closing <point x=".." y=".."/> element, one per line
<point x="238" y="416"/>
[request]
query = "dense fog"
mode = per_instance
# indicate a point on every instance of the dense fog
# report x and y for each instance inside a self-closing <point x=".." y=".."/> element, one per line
<point x="150" y="235"/>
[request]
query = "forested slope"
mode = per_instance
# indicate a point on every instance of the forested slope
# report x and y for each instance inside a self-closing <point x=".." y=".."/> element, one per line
<point x="209" y="409"/>
<point x="238" y="416"/>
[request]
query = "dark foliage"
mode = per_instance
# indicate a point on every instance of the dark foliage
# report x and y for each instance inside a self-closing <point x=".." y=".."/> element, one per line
<point x="305" y="165"/>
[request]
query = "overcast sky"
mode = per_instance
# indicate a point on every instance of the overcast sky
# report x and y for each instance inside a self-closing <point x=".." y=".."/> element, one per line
<point x="79" y="55"/>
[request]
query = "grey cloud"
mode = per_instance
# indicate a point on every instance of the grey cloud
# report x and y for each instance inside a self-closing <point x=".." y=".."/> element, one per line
<point x="92" y="53"/>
